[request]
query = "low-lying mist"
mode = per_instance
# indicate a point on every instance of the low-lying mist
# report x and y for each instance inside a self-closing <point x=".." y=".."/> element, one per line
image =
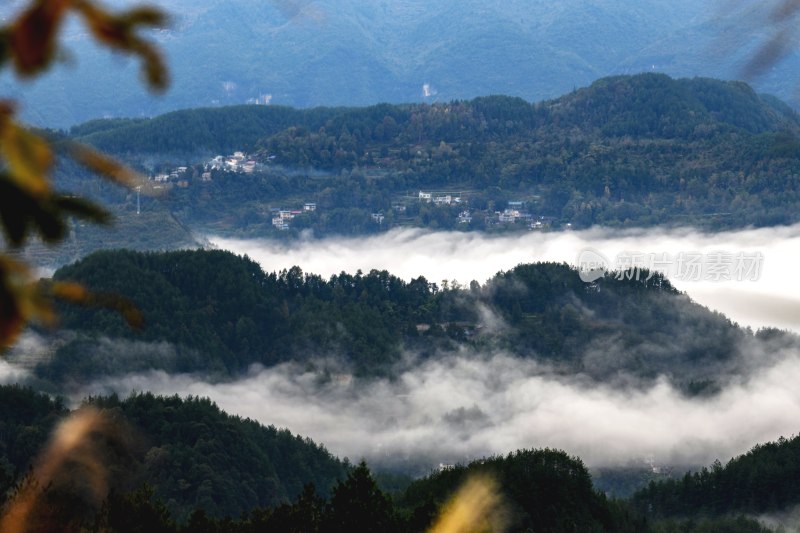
<point x="461" y="407"/>
<point x="772" y="300"/>
<point x="464" y="405"/>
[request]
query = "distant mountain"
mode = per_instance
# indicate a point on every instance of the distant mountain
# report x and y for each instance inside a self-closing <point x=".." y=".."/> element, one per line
<point x="651" y="105"/>
<point x="637" y="150"/>
<point x="359" y="52"/>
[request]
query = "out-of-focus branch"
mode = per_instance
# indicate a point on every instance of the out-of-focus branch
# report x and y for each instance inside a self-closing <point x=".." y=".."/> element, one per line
<point x="779" y="44"/>
<point x="28" y="204"/>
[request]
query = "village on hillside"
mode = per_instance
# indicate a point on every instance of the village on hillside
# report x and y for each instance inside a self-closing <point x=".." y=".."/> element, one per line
<point x="513" y="213"/>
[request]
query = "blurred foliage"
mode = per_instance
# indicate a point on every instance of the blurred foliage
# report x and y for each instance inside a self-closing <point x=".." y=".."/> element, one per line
<point x="781" y="31"/>
<point x="29" y="207"/>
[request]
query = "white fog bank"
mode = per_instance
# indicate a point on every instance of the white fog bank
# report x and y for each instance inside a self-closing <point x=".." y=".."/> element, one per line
<point x="461" y="407"/>
<point x="773" y="299"/>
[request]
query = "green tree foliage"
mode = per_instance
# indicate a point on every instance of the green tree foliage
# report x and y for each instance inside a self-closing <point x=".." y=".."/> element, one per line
<point x="201" y="470"/>
<point x="760" y="481"/>
<point x="26" y="420"/>
<point x="738" y="524"/>
<point x="627" y="150"/>
<point x="214" y="311"/>
<point x="135" y="512"/>
<point x="546" y="490"/>
<point x="228" y="307"/>
<point x="191" y="456"/>
<point x="200" y="457"/>
<point x="358" y="504"/>
<point x="196" y="131"/>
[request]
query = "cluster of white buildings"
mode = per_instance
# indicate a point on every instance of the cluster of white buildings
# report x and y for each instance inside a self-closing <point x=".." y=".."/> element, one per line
<point x="176" y="174"/>
<point x="281" y="217"/>
<point x="512" y="216"/>
<point x="515" y="213"/>
<point x="439" y="199"/>
<point x="238" y="162"/>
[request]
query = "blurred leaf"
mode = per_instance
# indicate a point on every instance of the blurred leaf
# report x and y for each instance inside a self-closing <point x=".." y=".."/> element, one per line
<point x="82" y="208"/>
<point x="77" y="294"/>
<point x="119" y="32"/>
<point x="787" y="9"/>
<point x="20" y="301"/>
<point x="109" y="168"/>
<point x="477" y="506"/>
<point x="27" y="204"/>
<point x="768" y="55"/>
<point x="779" y="26"/>
<point x="154" y="70"/>
<point x="11" y="318"/>
<point x="20" y="211"/>
<point x="32" y="37"/>
<point x="70" y="291"/>
<point x="5" y="49"/>
<point x="28" y="156"/>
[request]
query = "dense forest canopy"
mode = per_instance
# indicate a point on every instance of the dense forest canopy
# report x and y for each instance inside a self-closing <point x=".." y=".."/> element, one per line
<point x="191" y="453"/>
<point x="624" y="151"/>
<point x="219" y="313"/>
<point x="760" y="481"/>
<point x="198" y="469"/>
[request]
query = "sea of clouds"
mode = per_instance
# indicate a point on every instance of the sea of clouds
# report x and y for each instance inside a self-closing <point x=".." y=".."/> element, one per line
<point x="465" y="405"/>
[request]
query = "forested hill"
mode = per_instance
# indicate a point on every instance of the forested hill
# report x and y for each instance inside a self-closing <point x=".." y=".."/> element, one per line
<point x="193" y="454"/>
<point x="764" y="480"/>
<point x="209" y="471"/>
<point x="216" y="312"/>
<point x="184" y="465"/>
<point x="197" y="131"/>
<point x="628" y="150"/>
<point x="646" y="105"/>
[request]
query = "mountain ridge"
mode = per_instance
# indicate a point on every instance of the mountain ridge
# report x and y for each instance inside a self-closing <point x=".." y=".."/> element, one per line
<point x="388" y="52"/>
